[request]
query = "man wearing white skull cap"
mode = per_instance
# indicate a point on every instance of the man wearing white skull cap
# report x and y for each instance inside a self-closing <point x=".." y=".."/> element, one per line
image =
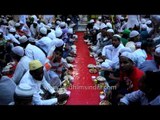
<point x="109" y="25"/>
<point x="133" y="33"/>
<point x="129" y="74"/>
<point x="23" y="39"/>
<point x="22" y="65"/>
<point x="103" y="25"/>
<point x="34" y="28"/>
<point x="18" y="51"/>
<point x="91" y="21"/>
<point x="17" y="24"/>
<point x="51" y="34"/>
<point x="34" y="52"/>
<point x="59" y="43"/>
<point x="24" y="27"/>
<point x="144" y="52"/>
<point x="43" y="30"/>
<point x="128" y="55"/>
<point x="23" y="95"/>
<point x="62" y="24"/>
<point x="12" y="30"/>
<point x="110" y="30"/>
<point x="149" y="26"/>
<point x="134" y="37"/>
<point x="112" y="51"/>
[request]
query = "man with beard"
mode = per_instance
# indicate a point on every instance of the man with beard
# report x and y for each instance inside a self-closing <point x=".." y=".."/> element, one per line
<point x="36" y="79"/>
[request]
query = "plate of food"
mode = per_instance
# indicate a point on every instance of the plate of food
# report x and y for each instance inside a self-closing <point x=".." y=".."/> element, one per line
<point x="93" y="70"/>
<point x="105" y="102"/>
<point x="100" y="78"/>
<point x="62" y="91"/>
<point x="91" y="66"/>
<point x="69" y="77"/>
<point x="100" y="60"/>
<point x="70" y="65"/>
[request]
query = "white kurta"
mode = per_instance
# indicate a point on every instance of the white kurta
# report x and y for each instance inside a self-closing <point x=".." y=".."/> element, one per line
<point x="44" y="43"/>
<point x="112" y="53"/>
<point x="36" y="86"/>
<point x="35" y="53"/>
<point x="13" y="39"/>
<point x="139" y="96"/>
<point x="140" y="56"/>
<point x="131" y="45"/>
<point x="21" y="69"/>
<point x="26" y="30"/>
<point x="23" y="18"/>
<point x="34" y="31"/>
<point x="51" y="35"/>
<point x="132" y="21"/>
<point x="48" y="18"/>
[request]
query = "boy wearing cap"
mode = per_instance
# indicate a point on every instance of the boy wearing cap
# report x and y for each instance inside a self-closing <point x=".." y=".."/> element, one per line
<point x="129" y="76"/>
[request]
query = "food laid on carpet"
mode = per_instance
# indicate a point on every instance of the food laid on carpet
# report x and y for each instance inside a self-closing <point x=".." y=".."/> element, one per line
<point x="93" y="70"/>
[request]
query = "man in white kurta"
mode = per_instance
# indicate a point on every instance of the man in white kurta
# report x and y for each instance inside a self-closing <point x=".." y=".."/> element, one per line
<point x="22" y="66"/>
<point x="36" y="85"/>
<point x="35" y="53"/>
<point x="36" y="79"/>
<point x="111" y="52"/>
<point x="133" y="20"/>
<point x="44" y="42"/>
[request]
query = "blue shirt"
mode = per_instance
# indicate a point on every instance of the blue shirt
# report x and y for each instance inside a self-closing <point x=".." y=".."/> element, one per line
<point x="7" y="88"/>
<point x="139" y="96"/>
<point x="148" y="65"/>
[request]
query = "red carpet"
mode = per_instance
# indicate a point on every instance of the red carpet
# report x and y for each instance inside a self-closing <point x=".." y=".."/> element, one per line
<point x="83" y="90"/>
